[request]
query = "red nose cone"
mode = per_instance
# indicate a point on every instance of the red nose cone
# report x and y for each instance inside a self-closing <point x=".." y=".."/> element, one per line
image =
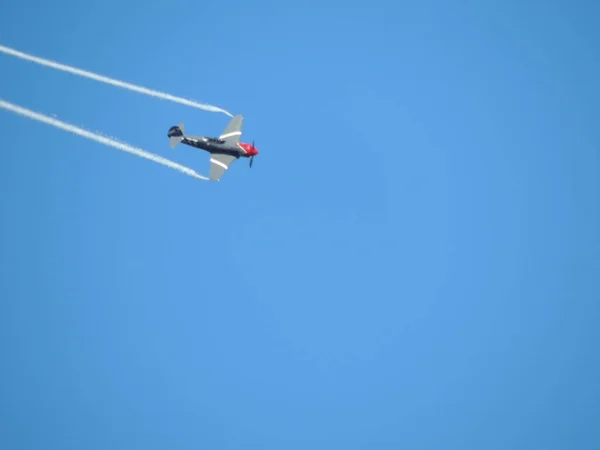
<point x="250" y="150"/>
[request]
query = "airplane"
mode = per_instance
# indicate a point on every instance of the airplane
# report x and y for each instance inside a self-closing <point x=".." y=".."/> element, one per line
<point x="223" y="150"/>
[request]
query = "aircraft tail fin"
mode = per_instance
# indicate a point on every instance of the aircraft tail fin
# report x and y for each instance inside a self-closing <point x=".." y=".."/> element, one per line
<point x="176" y="135"/>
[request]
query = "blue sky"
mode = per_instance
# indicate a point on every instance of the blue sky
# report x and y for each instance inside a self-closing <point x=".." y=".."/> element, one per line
<point x="411" y="263"/>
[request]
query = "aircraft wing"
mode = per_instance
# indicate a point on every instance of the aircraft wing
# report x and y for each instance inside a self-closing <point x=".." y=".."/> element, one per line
<point x="219" y="163"/>
<point x="233" y="131"/>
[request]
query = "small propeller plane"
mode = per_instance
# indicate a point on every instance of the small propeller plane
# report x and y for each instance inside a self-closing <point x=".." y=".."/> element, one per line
<point x="223" y="150"/>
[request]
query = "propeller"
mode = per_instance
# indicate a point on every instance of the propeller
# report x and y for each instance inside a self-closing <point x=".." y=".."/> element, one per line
<point x="252" y="157"/>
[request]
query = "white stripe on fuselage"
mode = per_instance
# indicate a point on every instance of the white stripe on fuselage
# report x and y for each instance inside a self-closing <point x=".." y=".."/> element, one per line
<point x="219" y="163"/>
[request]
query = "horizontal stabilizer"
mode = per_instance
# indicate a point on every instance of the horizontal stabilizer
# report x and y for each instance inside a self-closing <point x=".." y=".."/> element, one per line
<point x="175" y="141"/>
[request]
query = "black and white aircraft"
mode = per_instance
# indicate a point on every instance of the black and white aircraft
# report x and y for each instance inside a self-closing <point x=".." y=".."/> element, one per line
<point x="223" y="150"/>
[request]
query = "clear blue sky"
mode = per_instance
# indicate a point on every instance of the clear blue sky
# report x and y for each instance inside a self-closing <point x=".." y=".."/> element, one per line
<point x="412" y="262"/>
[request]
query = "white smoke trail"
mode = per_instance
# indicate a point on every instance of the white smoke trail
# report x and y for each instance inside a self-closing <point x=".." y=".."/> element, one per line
<point x="98" y="138"/>
<point x="112" y="81"/>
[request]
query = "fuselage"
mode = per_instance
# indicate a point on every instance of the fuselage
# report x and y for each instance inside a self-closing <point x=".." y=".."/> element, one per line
<point x="215" y="145"/>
